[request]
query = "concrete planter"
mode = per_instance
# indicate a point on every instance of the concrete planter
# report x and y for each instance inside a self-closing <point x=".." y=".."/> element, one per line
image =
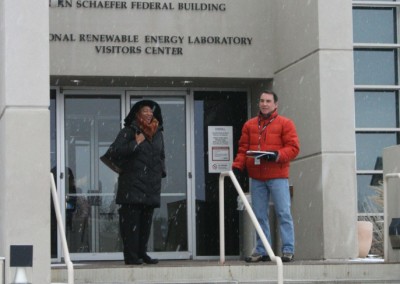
<point x="365" y="232"/>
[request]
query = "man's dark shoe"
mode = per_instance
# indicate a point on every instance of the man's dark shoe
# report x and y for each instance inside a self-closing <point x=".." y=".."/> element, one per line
<point x="148" y="260"/>
<point x="265" y="258"/>
<point x="287" y="257"/>
<point x="256" y="257"/>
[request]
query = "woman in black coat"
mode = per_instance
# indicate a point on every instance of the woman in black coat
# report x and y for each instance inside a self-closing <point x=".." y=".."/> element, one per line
<point x="141" y="145"/>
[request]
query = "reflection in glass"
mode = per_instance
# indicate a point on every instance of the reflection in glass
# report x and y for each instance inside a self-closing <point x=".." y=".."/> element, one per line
<point x="216" y="109"/>
<point x="375" y="67"/>
<point x="370" y="196"/>
<point x="170" y="231"/>
<point x="53" y="163"/>
<point x="374" y="25"/>
<point x="91" y="125"/>
<point x="369" y="148"/>
<point x="377" y="109"/>
<point x="374" y="109"/>
<point x="170" y="225"/>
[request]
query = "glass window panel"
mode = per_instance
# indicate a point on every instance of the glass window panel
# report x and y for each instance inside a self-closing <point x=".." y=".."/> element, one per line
<point x="369" y="148"/>
<point x="170" y="230"/>
<point x="53" y="129"/>
<point x="53" y="163"/>
<point x="174" y="122"/>
<point x="370" y="193"/>
<point x="376" y="109"/>
<point x="91" y="125"/>
<point x="170" y="225"/>
<point x="375" y="67"/>
<point x="374" y="25"/>
<point x="234" y="107"/>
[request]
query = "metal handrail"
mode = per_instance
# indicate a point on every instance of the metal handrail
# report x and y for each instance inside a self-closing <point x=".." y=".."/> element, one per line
<point x="385" y="213"/>
<point x="60" y="225"/>
<point x="253" y="218"/>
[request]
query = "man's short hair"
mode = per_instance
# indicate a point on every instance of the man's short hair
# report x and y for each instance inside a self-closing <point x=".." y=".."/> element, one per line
<point x="272" y="93"/>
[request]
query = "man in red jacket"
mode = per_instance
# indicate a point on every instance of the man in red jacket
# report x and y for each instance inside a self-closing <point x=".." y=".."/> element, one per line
<point x="269" y="174"/>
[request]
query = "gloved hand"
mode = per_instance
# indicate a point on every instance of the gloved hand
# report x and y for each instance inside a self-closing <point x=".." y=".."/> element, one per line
<point x="271" y="157"/>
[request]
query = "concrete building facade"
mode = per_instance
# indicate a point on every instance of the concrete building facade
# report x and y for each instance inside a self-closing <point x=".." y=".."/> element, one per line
<point x="199" y="59"/>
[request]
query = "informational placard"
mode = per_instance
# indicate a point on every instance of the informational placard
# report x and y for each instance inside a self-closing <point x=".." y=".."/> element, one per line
<point x="220" y="152"/>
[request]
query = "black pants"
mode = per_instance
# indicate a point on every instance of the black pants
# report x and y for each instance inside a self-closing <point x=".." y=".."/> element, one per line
<point x="135" y="226"/>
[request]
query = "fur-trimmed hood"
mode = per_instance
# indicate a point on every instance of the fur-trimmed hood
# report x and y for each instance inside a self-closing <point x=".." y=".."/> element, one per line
<point x="137" y="106"/>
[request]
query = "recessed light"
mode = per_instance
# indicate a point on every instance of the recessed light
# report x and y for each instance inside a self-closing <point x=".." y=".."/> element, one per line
<point x="76" y="81"/>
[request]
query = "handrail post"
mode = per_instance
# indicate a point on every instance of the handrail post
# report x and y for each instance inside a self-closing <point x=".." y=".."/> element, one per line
<point x="385" y="213"/>
<point x="60" y="226"/>
<point x="253" y="218"/>
<point x="221" y="222"/>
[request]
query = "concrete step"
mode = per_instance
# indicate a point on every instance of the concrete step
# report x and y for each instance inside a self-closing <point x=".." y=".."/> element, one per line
<point x="232" y="272"/>
<point x="363" y="281"/>
<point x="255" y="282"/>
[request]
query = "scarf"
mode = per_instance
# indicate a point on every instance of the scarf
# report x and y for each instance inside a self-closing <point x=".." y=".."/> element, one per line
<point x="148" y="129"/>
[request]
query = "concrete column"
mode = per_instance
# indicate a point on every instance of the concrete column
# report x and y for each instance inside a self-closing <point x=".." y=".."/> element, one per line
<point x="24" y="134"/>
<point x="314" y="79"/>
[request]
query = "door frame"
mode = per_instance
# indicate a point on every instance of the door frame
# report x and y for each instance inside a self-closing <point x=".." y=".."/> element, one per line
<point x="125" y="93"/>
<point x="181" y="93"/>
<point x="60" y="108"/>
<point x="192" y="146"/>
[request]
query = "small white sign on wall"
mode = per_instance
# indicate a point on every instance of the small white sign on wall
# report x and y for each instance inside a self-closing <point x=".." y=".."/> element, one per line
<point x="220" y="150"/>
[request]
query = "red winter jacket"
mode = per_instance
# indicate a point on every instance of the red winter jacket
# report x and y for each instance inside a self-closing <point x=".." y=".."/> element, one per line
<point x="276" y="133"/>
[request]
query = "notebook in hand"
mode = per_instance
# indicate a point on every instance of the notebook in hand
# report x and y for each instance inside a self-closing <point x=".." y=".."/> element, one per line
<point x="259" y="154"/>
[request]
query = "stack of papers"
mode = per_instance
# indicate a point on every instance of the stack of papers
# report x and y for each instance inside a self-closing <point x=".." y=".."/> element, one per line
<point x="258" y="154"/>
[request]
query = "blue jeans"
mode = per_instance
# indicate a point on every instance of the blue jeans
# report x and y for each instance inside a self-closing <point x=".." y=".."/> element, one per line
<point x="278" y="190"/>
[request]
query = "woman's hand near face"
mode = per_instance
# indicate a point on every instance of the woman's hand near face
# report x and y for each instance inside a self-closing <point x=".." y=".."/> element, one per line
<point x="139" y="138"/>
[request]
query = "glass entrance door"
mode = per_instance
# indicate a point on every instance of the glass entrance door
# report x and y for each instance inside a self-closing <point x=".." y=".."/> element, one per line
<point x="91" y="123"/>
<point x="170" y="232"/>
<point x="219" y="108"/>
<point x="186" y="224"/>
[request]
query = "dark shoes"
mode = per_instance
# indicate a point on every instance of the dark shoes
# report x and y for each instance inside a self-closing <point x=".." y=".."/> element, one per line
<point x="138" y="261"/>
<point x="287" y="257"/>
<point x="148" y="260"/>
<point x="131" y="261"/>
<point x="256" y="257"/>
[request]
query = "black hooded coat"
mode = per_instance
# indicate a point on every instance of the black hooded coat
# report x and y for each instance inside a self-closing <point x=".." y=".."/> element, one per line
<point x="144" y="164"/>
